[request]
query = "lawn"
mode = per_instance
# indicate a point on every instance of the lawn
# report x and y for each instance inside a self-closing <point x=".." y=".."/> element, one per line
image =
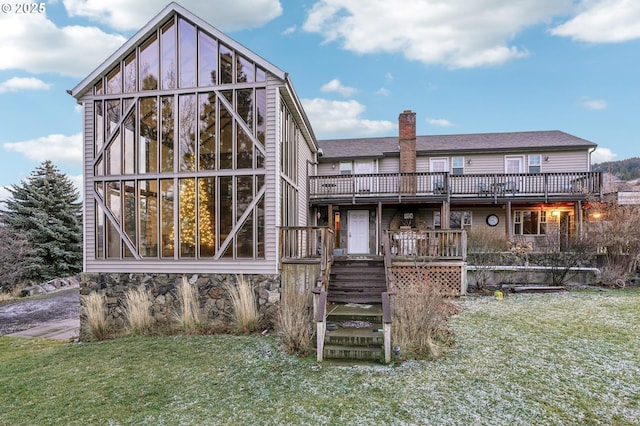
<point x="550" y="359"/>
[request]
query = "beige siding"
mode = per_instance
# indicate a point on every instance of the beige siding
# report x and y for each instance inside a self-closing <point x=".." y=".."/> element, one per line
<point x="89" y="211"/>
<point x="572" y="161"/>
<point x="272" y="165"/>
<point x="305" y="157"/>
<point x="389" y="165"/>
<point x="326" y="169"/>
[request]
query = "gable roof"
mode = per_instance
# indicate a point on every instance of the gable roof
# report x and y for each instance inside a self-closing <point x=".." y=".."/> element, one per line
<point x="551" y="140"/>
<point x="172" y="8"/>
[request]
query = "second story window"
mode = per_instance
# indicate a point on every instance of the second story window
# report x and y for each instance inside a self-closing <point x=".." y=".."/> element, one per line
<point x="534" y="163"/>
<point x="346" y="168"/>
<point x="457" y="165"/>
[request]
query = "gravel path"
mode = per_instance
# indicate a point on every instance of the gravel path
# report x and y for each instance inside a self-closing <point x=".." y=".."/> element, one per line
<point x="22" y="314"/>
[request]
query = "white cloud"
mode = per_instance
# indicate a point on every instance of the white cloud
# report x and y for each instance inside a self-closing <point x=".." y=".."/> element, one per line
<point x="4" y="193"/>
<point x="439" y="122"/>
<point x="35" y="44"/>
<point x="335" y="86"/>
<point x="388" y="76"/>
<point x="292" y="29"/>
<point x="595" y="104"/>
<point x="383" y="92"/>
<point x="603" y="21"/>
<point x="601" y="155"/>
<point x="57" y="148"/>
<point x="23" y="83"/>
<point x="342" y="118"/>
<point x="131" y="15"/>
<point x="457" y="33"/>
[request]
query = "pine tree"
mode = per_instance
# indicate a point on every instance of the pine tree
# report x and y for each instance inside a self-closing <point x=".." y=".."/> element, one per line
<point x="46" y="209"/>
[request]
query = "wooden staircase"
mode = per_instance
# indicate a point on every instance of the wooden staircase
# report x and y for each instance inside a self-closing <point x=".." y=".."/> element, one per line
<point x="354" y="314"/>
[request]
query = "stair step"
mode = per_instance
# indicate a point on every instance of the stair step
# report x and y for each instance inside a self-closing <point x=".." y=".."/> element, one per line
<point x="339" y="313"/>
<point x="352" y="352"/>
<point x="356" y="336"/>
<point x="352" y="297"/>
<point x="357" y="283"/>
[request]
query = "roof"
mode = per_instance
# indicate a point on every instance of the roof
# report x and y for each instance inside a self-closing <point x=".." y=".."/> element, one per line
<point x="550" y="140"/>
<point x="157" y="21"/>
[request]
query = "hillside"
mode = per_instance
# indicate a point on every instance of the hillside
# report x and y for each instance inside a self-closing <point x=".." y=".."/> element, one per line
<point x="626" y="170"/>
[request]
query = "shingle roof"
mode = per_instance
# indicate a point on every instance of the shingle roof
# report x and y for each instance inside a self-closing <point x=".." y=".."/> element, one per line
<point x="551" y="140"/>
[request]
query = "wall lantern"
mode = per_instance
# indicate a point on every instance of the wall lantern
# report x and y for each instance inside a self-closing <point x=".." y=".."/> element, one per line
<point x="555" y="213"/>
<point x="546" y="159"/>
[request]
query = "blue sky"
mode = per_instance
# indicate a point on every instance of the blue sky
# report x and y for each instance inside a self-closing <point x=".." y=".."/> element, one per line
<point x="464" y="66"/>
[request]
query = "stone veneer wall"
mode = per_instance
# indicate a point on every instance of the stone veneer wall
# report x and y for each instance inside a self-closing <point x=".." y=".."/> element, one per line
<point x="214" y="301"/>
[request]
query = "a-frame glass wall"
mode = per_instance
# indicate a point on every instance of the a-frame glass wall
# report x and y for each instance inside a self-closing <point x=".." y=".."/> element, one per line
<point x="179" y="150"/>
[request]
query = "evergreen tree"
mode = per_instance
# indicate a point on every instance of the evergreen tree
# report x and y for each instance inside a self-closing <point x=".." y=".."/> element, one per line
<point x="46" y="209"/>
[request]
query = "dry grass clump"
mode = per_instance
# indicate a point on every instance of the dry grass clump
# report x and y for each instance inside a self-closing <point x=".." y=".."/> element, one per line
<point x="94" y="307"/>
<point x="137" y="310"/>
<point x="419" y="323"/>
<point x="246" y="316"/>
<point x="189" y="317"/>
<point x="294" y="319"/>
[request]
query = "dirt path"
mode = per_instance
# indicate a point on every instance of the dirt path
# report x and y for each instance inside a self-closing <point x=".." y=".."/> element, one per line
<point x="22" y="314"/>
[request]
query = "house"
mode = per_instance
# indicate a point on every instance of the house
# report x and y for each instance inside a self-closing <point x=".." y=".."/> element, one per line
<point x="196" y="150"/>
<point x="511" y="185"/>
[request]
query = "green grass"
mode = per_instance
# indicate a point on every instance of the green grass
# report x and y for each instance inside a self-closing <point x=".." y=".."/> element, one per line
<point x="553" y="359"/>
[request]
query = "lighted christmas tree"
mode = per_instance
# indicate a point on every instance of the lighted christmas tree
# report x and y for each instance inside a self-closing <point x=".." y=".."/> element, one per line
<point x="188" y="231"/>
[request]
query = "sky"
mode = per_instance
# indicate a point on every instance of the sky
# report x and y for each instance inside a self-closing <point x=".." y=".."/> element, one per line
<point x="463" y="66"/>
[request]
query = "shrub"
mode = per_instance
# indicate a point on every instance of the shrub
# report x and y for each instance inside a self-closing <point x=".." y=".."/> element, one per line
<point x="94" y="307"/>
<point x="137" y="305"/>
<point x="419" y="318"/>
<point x="189" y="317"/>
<point x="246" y="316"/>
<point x="294" y="320"/>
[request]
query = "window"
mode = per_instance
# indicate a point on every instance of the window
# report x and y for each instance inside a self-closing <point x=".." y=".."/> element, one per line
<point x="534" y="163"/>
<point x="346" y="168"/>
<point x="530" y="222"/>
<point x="457" y="220"/>
<point x="457" y="165"/>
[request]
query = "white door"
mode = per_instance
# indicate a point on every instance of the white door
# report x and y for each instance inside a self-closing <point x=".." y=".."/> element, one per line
<point x="358" y="242"/>
<point x="438" y="165"/>
<point x="364" y="183"/>
<point x="513" y="165"/>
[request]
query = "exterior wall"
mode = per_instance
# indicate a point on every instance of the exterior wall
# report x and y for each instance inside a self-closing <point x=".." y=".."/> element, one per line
<point x="214" y="300"/>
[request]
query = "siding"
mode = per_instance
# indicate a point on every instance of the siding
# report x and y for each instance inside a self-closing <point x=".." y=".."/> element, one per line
<point x="88" y="202"/>
<point x="305" y="156"/>
<point x="272" y="166"/>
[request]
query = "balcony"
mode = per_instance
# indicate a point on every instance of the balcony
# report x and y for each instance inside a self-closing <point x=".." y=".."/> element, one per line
<point x="490" y="187"/>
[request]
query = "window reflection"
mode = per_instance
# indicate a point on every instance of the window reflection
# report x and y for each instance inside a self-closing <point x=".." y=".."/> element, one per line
<point x="207" y="103"/>
<point x="187" y="131"/>
<point x="207" y="216"/>
<point x="208" y="60"/>
<point x="166" y="153"/>
<point x="149" y="64"/>
<point x="187" y="53"/>
<point x="166" y="217"/>
<point x="148" y="135"/>
<point x="148" y="199"/>
<point x="226" y="65"/>
<point x="245" y="70"/>
<point x="130" y="74"/>
<point x="168" y="43"/>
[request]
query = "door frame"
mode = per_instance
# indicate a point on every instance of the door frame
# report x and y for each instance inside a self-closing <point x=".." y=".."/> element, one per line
<point x="350" y="214"/>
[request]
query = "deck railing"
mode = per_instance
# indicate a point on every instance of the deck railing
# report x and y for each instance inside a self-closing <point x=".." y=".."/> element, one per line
<point x="308" y="243"/>
<point x="427" y="244"/>
<point x="444" y="184"/>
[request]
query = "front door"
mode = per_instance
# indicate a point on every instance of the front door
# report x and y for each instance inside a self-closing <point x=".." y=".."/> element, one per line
<point x="358" y="242"/>
<point x="438" y="165"/>
<point x="363" y="183"/>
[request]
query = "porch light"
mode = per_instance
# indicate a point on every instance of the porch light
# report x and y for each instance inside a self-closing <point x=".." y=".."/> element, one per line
<point x="597" y="215"/>
<point x="555" y="213"/>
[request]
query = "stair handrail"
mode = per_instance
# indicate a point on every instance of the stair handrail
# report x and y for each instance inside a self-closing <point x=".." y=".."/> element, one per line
<point x="320" y="311"/>
<point x="387" y="316"/>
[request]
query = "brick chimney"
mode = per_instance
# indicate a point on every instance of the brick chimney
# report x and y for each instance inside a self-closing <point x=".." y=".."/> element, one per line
<point x="407" y="141"/>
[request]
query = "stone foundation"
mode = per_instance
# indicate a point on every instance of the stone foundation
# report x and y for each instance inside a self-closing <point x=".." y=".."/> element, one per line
<point x="214" y="301"/>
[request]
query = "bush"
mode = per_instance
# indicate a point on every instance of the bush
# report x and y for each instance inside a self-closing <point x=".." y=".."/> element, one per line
<point x="246" y="316"/>
<point x="189" y="317"/>
<point x="137" y="306"/>
<point x="419" y="317"/>
<point x="94" y="307"/>
<point x="294" y="323"/>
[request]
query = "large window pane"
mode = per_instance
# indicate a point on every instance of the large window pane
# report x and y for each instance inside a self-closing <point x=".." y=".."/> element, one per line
<point x="208" y="60"/>
<point x="148" y="199"/>
<point x="207" y="131"/>
<point x="245" y="70"/>
<point x="129" y="152"/>
<point x="166" y="153"/>
<point x="113" y="157"/>
<point x="149" y="64"/>
<point x="114" y="202"/>
<point x="187" y="53"/>
<point x="226" y="210"/>
<point x="187" y="132"/>
<point x="99" y="127"/>
<point x="207" y="216"/>
<point x="226" y="65"/>
<point x="114" y="81"/>
<point x="100" y="232"/>
<point x="168" y="44"/>
<point x="113" y="115"/>
<point x="129" y="213"/>
<point x="244" y="149"/>
<point x="244" y="106"/>
<point x="226" y="138"/>
<point x="166" y="218"/>
<point x="244" y="240"/>
<point x="148" y="135"/>
<point x="261" y="114"/>
<point x="130" y="73"/>
<point x="187" y="217"/>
